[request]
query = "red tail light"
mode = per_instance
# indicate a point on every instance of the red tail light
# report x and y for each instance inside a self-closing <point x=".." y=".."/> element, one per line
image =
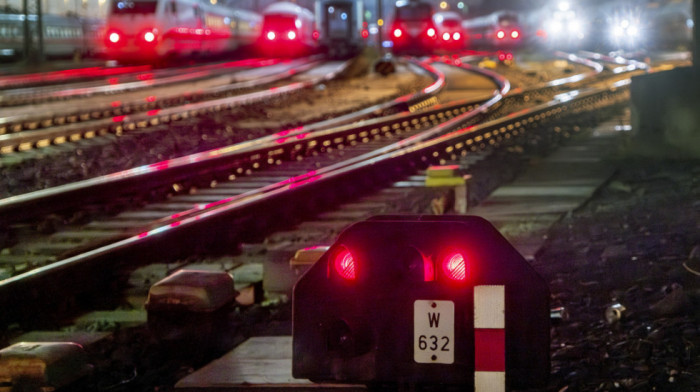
<point x="454" y="265"/>
<point x="114" y="37"/>
<point x="398" y="33"/>
<point x="316" y="34"/>
<point x="344" y="264"/>
<point x="514" y="34"/>
<point x="500" y="34"/>
<point x="365" y="33"/>
<point x="149" y="36"/>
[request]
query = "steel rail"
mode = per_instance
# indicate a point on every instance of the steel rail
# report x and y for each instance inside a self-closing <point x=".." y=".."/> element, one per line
<point x="39" y="202"/>
<point x="229" y="84"/>
<point x="392" y="163"/>
<point x="155" y="78"/>
<point x="100" y="120"/>
<point x="232" y="212"/>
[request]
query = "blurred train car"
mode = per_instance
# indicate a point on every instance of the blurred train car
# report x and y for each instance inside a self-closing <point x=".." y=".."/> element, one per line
<point x="413" y="30"/>
<point x="449" y="30"/>
<point x="148" y="30"/>
<point x="501" y="29"/>
<point x="63" y="36"/>
<point x="339" y="22"/>
<point x="288" y="30"/>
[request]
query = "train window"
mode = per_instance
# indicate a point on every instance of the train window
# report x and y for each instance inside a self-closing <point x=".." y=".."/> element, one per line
<point x="134" y="7"/>
<point x="172" y="8"/>
<point x="507" y="20"/>
<point x="451" y="23"/>
<point x="414" y="12"/>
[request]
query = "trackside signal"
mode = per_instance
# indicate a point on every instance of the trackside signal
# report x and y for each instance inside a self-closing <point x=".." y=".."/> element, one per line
<point x="432" y="300"/>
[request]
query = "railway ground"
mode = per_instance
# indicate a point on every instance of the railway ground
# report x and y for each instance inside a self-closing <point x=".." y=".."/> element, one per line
<point x="620" y="225"/>
<point x="621" y="234"/>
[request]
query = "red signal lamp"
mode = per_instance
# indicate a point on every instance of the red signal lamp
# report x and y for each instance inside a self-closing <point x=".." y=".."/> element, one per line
<point x="344" y="264"/>
<point x="454" y="266"/>
<point x="422" y="299"/>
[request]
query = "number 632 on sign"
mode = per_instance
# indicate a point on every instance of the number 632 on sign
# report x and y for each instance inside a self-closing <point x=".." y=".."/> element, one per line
<point x="433" y="331"/>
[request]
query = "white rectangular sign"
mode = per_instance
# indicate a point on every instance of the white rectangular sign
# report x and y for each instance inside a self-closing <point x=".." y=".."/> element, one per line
<point x="433" y="331"/>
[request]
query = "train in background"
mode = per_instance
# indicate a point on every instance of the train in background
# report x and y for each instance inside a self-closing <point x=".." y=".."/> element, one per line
<point x="64" y="36"/>
<point x="501" y="29"/>
<point x="450" y="33"/>
<point x="413" y="30"/>
<point x="151" y="30"/>
<point x="566" y="25"/>
<point x="288" y="30"/>
<point x="341" y="32"/>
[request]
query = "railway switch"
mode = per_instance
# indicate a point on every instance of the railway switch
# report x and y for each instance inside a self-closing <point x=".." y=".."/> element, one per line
<point x="422" y="300"/>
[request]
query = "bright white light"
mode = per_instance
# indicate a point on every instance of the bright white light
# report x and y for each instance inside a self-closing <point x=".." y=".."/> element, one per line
<point x="456" y="36"/>
<point x="618" y="31"/>
<point x="445" y="36"/>
<point x="114" y="38"/>
<point x="297" y="24"/>
<point x="564" y="6"/>
<point x="149" y="37"/>
<point x="633" y="31"/>
<point x="576" y="26"/>
<point x="291" y="35"/>
<point x="271" y="35"/>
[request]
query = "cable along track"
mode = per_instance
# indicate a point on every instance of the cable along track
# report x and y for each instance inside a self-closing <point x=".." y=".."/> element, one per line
<point x="255" y="202"/>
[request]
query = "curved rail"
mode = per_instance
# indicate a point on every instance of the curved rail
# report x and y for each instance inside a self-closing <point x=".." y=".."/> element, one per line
<point x="124" y="182"/>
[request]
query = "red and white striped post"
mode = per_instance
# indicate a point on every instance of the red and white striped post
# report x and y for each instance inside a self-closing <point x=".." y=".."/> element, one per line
<point x="489" y="339"/>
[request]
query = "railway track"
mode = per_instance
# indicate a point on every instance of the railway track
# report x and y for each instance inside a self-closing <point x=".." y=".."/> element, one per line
<point x="321" y="175"/>
<point x="183" y="177"/>
<point x="24" y="130"/>
<point x="72" y="84"/>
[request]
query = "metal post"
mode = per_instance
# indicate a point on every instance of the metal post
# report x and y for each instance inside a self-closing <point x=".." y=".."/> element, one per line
<point x="26" y="31"/>
<point x="696" y="36"/>
<point x="40" y="30"/>
<point x="380" y="14"/>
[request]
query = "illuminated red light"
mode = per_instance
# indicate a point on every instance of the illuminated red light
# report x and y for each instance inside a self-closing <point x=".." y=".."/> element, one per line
<point x="316" y="34"/>
<point x="344" y="264"/>
<point x="365" y="33"/>
<point x="514" y="34"/>
<point x="455" y="266"/>
<point x="398" y="33"/>
<point x="149" y="36"/>
<point x="500" y="34"/>
<point x="114" y="37"/>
